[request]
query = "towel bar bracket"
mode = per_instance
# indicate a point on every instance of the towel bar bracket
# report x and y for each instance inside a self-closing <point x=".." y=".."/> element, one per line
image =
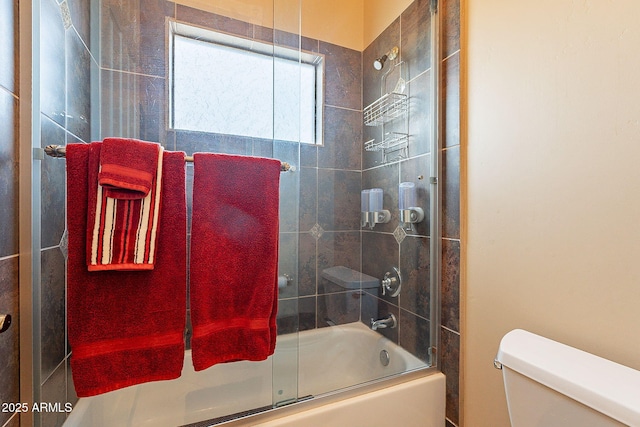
<point x="55" y="151"/>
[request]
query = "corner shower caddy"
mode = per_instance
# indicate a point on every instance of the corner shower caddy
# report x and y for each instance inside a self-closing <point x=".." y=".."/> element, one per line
<point x="390" y="106"/>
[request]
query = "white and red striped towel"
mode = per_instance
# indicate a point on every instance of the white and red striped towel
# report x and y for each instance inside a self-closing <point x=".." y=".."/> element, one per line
<point x="122" y="233"/>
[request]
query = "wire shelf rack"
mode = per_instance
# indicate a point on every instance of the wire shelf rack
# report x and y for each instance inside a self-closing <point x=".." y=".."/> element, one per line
<point x="386" y="108"/>
<point x="393" y="142"/>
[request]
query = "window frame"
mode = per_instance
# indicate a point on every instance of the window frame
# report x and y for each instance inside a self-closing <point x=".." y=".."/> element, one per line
<point x="252" y="46"/>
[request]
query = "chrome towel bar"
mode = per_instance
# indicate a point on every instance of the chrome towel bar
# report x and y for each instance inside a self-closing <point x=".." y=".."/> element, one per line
<point x="61" y="151"/>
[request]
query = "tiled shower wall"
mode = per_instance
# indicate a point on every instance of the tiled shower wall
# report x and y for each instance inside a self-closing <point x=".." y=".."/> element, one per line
<point x="65" y="117"/>
<point x="389" y="245"/>
<point x="9" y="304"/>
<point x="386" y="246"/>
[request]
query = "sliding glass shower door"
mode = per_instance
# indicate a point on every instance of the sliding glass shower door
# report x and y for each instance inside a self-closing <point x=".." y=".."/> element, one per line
<point x="287" y="79"/>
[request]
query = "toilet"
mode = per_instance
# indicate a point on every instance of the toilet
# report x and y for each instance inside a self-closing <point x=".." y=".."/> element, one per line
<point x="549" y="384"/>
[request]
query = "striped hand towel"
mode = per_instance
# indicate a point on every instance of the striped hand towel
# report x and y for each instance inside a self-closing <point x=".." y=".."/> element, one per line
<point x="128" y="167"/>
<point x="122" y="233"/>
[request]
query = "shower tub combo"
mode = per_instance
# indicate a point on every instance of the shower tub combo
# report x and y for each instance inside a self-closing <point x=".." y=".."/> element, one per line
<point x="341" y="375"/>
<point x="393" y="390"/>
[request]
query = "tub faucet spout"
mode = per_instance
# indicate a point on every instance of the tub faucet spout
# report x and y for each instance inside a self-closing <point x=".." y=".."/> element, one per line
<point x="388" y="322"/>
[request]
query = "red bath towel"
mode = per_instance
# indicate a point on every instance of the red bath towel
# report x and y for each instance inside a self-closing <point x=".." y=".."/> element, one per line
<point x="125" y="327"/>
<point x="128" y="167"/>
<point x="234" y="258"/>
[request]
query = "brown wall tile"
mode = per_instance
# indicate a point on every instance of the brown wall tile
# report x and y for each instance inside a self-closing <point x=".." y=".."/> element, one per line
<point x="307" y="308"/>
<point x="308" y="207"/>
<point x="451" y="193"/>
<point x="139" y="112"/>
<point x="52" y="325"/>
<point x="81" y="19"/>
<point x="9" y="45"/>
<point x="450" y="356"/>
<point x="54" y="390"/>
<point x="8" y="175"/>
<point x="52" y="187"/>
<point x="15" y="421"/>
<point x="415" y="268"/>
<point x="78" y="75"/>
<point x="289" y="187"/>
<point x="343" y="73"/>
<point x="450" y="292"/>
<point x="450" y="25"/>
<point x="420" y="115"/>
<point x="52" y="53"/>
<point x="287" y="255"/>
<point x="380" y="252"/>
<point x="339" y="199"/>
<point x="415" y="335"/>
<point x="342" y="139"/>
<point x="307" y="269"/>
<point x="10" y="339"/>
<point x="133" y="35"/>
<point x="216" y="22"/>
<point x="416" y="37"/>
<point x="287" y="318"/>
<point x="451" y="100"/>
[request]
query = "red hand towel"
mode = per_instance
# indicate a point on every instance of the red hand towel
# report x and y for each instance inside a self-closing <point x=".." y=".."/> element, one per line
<point x="125" y="328"/>
<point x="234" y="258"/>
<point x="128" y="167"/>
<point x="123" y="233"/>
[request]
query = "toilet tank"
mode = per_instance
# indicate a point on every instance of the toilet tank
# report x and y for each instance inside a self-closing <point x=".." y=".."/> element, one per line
<point x="549" y="384"/>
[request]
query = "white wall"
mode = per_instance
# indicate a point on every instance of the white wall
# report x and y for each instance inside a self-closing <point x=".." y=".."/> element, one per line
<point x="553" y="183"/>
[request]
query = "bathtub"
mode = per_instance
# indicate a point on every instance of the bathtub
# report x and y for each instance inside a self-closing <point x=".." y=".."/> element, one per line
<point x="327" y="359"/>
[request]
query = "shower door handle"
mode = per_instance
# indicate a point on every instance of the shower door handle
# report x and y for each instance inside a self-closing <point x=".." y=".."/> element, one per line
<point x="5" y="322"/>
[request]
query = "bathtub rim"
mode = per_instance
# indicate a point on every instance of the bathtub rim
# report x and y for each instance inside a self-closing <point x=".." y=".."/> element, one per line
<point x="331" y="397"/>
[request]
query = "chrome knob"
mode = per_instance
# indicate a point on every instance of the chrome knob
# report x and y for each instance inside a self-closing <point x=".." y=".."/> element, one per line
<point x="5" y="322"/>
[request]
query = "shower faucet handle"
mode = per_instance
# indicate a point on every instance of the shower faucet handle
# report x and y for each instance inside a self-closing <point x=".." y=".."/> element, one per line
<point x="5" y="322"/>
<point x="391" y="282"/>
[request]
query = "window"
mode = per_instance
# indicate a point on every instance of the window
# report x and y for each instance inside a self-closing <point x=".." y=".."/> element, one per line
<point x="231" y="85"/>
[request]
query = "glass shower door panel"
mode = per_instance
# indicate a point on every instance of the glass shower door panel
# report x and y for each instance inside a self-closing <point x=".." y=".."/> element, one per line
<point x="343" y="349"/>
<point x="286" y="147"/>
<point x="136" y="81"/>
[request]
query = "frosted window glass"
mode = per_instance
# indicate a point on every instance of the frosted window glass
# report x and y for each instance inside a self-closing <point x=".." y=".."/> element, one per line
<point x="229" y="90"/>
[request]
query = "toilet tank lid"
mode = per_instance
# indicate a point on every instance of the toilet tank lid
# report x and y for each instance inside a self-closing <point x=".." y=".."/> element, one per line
<point x="601" y="384"/>
<point x="349" y="279"/>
